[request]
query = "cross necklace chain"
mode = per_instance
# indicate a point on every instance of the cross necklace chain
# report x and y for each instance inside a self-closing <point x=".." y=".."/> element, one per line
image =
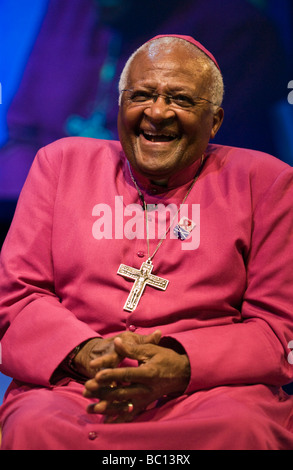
<point x="142" y="277"/>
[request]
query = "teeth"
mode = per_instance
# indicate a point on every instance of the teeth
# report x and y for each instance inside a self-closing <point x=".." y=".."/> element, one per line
<point x="158" y="137"/>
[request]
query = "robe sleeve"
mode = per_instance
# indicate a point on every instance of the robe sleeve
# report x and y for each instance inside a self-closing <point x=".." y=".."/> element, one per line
<point x="36" y="331"/>
<point x="255" y="350"/>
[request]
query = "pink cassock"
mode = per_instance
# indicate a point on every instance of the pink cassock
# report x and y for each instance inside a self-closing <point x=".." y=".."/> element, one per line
<point x="229" y="301"/>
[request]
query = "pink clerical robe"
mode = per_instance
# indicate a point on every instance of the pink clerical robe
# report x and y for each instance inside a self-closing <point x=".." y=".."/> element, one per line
<point x="229" y="301"/>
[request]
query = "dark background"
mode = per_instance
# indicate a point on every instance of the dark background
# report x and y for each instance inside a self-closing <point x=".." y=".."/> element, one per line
<point x="60" y="62"/>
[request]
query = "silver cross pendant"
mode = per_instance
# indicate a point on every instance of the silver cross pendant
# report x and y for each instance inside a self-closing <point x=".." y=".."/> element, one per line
<point x="142" y="277"/>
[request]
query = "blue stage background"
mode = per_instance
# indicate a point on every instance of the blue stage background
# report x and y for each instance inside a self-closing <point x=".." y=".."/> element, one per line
<point x="60" y="62"/>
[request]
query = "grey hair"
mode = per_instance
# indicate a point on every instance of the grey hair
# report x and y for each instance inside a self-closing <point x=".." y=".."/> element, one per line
<point x="215" y="78"/>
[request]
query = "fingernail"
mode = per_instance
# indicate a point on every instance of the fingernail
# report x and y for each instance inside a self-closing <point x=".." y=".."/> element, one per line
<point x="91" y="408"/>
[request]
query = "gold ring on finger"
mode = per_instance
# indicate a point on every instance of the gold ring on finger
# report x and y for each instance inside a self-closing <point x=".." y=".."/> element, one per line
<point x="130" y="407"/>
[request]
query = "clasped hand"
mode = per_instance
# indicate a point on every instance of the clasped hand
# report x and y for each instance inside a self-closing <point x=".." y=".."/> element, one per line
<point x="124" y="392"/>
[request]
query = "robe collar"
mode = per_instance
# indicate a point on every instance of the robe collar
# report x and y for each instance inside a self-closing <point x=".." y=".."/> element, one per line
<point x="181" y="178"/>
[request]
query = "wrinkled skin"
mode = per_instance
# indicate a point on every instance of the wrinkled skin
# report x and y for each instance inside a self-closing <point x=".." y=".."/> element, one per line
<point x="161" y="371"/>
<point x="166" y="71"/>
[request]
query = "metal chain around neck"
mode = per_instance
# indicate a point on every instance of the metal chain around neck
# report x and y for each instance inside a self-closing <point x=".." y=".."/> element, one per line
<point x="150" y="257"/>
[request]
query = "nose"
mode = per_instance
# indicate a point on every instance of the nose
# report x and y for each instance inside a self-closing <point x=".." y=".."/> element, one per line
<point x="159" y="109"/>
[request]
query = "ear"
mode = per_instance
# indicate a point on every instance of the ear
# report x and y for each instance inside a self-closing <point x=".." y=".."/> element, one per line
<point x="217" y="121"/>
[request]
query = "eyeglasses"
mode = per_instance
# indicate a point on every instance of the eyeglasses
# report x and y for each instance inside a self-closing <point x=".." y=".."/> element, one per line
<point x="178" y="100"/>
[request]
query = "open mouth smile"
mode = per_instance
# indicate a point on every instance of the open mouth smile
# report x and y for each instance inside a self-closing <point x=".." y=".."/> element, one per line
<point x="157" y="138"/>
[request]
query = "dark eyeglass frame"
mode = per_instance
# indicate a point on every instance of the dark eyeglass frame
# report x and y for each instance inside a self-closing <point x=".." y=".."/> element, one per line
<point x="179" y="100"/>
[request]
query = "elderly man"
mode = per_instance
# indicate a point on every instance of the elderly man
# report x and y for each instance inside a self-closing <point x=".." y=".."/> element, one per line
<point x="146" y="284"/>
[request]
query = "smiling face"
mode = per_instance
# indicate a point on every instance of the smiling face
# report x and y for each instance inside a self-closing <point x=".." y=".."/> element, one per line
<point x="161" y="137"/>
